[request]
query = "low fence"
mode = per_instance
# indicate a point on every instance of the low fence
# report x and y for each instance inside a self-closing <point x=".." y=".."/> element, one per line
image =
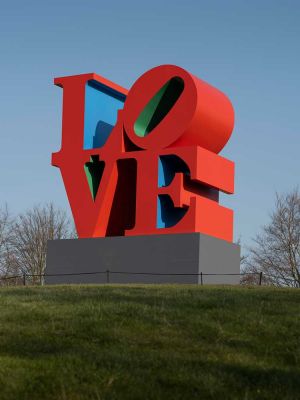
<point x="254" y="278"/>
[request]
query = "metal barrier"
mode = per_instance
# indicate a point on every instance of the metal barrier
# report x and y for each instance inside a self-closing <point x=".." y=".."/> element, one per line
<point x="23" y="278"/>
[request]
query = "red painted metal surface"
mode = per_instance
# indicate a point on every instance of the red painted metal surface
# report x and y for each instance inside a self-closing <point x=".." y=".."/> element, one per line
<point x="195" y="129"/>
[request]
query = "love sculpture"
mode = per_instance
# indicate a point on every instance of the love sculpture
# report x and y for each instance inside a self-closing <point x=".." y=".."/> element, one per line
<point x="145" y="161"/>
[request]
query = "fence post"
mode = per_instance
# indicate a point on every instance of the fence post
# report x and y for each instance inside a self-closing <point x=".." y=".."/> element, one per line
<point x="24" y="279"/>
<point x="260" y="278"/>
<point x="201" y="276"/>
<point x="107" y="276"/>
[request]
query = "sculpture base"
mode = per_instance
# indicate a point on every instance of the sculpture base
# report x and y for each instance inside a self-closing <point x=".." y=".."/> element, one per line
<point x="176" y="258"/>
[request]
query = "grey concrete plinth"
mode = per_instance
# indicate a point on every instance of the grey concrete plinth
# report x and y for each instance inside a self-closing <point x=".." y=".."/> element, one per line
<point x="134" y="259"/>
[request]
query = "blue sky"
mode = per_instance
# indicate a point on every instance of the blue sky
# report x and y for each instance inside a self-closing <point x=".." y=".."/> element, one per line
<point x="248" y="49"/>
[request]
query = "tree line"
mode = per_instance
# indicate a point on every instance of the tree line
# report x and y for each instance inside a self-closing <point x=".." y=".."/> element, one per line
<point x="276" y="248"/>
<point x="275" y="251"/>
<point x="23" y="240"/>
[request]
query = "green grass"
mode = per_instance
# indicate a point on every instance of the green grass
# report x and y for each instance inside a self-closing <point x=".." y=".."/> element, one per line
<point x="149" y="342"/>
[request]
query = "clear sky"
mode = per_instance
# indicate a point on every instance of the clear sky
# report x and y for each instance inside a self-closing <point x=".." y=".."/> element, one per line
<point x="248" y="49"/>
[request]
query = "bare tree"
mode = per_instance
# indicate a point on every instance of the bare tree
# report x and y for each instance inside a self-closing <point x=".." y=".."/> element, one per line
<point x="276" y="250"/>
<point x="31" y="231"/>
<point x="3" y="233"/>
<point x="246" y="278"/>
<point x="5" y="241"/>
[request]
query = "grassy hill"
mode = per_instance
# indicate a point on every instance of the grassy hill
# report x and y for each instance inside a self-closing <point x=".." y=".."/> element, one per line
<point x="149" y="342"/>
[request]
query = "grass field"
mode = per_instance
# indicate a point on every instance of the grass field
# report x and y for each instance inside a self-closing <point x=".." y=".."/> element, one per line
<point x="149" y="342"/>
